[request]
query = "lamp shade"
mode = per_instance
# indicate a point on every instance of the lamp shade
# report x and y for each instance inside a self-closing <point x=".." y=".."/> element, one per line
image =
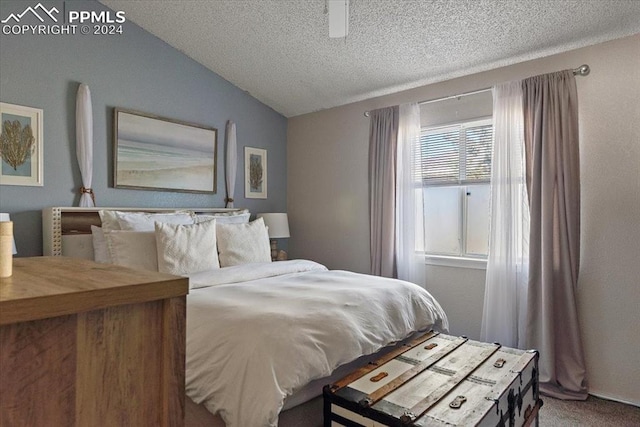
<point x="6" y="217"/>
<point x="278" y="224"/>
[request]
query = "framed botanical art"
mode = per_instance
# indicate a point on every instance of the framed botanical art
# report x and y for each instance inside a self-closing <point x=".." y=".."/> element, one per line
<point x="255" y="173"/>
<point x="156" y="153"/>
<point x="21" y="147"/>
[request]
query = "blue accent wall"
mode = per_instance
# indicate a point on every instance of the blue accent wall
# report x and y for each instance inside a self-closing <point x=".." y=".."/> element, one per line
<point x="137" y="71"/>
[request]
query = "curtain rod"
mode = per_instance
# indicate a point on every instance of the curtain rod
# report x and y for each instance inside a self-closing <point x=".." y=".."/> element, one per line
<point x="582" y="70"/>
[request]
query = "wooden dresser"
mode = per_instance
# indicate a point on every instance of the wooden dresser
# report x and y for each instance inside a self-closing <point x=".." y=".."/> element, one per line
<point x="90" y="344"/>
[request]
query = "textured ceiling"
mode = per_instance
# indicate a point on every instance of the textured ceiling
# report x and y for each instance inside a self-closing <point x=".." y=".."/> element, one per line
<point x="279" y="50"/>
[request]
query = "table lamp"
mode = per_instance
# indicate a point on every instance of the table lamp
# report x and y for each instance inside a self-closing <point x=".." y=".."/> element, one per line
<point x="7" y="245"/>
<point x="278" y="229"/>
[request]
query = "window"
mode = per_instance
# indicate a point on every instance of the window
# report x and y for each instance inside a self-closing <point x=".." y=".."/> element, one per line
<point x="452" y="167"/>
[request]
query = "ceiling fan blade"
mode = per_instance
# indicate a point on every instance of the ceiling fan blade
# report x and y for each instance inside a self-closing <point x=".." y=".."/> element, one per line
<point x="338" y="18"/>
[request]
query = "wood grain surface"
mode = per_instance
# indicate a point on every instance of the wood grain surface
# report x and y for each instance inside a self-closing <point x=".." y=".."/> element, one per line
<point x="43" y="287"/>
<point x="37" y="372"/>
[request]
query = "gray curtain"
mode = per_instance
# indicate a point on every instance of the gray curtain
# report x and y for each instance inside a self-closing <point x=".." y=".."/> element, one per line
<point x="383" y="146"/>
<point x="550" y="104"/>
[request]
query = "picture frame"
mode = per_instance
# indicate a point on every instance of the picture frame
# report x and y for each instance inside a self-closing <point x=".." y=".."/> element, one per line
<point x="158" y="153"/>
<point x="21" y="145"/>
<point x="255" y="173"/>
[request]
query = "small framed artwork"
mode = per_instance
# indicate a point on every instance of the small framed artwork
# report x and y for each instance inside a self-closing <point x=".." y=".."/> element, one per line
<point x="157" y="153"/>
<point x="255" y="173"/>
<point x="21" y="145"/>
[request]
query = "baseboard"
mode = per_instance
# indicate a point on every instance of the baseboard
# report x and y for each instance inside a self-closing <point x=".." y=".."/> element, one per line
<point x="615" y="399"/>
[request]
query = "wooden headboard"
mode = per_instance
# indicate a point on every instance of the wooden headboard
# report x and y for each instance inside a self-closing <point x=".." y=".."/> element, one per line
<point x="67" y="231"/>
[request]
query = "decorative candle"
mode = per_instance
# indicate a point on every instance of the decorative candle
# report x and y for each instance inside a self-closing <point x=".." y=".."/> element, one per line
<point x="6" y="248"/>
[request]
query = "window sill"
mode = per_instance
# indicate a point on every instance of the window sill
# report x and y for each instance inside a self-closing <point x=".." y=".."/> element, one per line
<point x="458" y="262"/>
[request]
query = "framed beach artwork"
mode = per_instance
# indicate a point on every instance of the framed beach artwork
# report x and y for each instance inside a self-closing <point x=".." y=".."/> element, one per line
<point x="156" y="153"/>
<point x="21" y="145"/>
<point x="255" y="173"/>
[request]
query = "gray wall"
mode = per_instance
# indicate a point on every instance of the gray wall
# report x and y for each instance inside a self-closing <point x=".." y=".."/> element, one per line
<point x="328" y="202"/>
<point x="136" y="71"/>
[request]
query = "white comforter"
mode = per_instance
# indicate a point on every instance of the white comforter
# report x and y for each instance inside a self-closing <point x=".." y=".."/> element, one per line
<point x="257" y="332"/>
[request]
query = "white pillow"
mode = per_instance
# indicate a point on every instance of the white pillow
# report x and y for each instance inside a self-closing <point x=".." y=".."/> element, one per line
<point x="109" y="220"/>
<point x="135" y="249"/>
<point x="243" y="243"/>
<point x="142" y="221"/>
<point x="186" y="249"/>
<point x="100" y="248"/>
<point x="236" y="217"/>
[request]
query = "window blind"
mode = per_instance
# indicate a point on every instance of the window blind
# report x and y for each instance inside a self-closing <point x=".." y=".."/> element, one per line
<point x="455" y="154"/>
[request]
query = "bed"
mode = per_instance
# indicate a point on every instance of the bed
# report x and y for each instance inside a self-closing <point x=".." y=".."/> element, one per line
<point x="262" y="337"/>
